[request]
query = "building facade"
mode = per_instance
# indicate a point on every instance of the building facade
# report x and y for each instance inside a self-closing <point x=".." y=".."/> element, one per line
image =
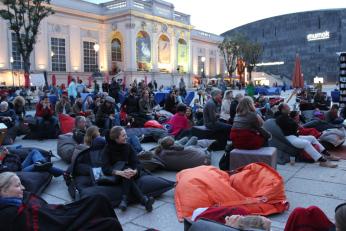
<point x="145" y="39"/>
<point x="316" y="36"/>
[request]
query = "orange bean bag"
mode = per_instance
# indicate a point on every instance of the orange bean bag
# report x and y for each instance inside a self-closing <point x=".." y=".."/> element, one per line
<point x="256" y="188"/>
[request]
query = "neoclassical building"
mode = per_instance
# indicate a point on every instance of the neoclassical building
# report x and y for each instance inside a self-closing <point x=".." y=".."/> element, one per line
<point x="145" y="39"/>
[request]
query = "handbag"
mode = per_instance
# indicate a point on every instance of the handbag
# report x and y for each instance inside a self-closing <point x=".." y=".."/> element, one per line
<point x="99" y="178"/>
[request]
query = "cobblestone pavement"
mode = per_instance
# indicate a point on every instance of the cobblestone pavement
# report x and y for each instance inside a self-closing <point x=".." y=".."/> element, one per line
<point x="306" y="184"/>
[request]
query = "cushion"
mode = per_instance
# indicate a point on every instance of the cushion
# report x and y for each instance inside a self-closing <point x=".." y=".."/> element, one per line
<point x="22" y="152"/>
<point x="189" y="157"/>
<point x="206" y="225"/>
<point x="65" y="147"/>
<point x="66" y="123"/>
<point x="153" y="124"/>
<point x="35" y="182"/>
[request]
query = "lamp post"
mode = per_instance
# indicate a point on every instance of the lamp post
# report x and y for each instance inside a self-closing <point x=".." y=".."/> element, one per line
<point x="11" y="61"/>
<point x="203" y="70"/>
<point x="97" y="74"/>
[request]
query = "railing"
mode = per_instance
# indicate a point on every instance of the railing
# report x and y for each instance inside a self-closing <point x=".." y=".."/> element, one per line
<point x="205" y="35"/>
<point x="181" y="17"/>
<point x="116" y="4"/>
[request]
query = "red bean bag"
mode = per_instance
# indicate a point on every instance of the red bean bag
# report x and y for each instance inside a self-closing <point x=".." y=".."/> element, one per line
<point x="153" y="124"/>
<point x="66" y="123"/>
<point x="257" y="188"/>
<point x="246" y="139"/>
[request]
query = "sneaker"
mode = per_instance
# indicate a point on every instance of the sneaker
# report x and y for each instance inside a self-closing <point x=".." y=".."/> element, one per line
<point x="332" y="157"/>
<point x="328" y="164"/>
<point x="42" y="166"/>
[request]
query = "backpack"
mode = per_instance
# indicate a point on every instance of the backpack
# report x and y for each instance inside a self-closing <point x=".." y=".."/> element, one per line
<point x="224" y="161"/>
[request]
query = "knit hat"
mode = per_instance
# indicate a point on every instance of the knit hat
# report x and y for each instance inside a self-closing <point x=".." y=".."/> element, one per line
<point x="109" y="99"/>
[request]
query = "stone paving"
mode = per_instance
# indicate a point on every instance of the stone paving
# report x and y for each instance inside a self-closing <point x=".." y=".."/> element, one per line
<point x="306" y="184"/>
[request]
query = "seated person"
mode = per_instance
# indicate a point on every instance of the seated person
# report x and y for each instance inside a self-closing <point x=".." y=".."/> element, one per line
<point x="79" y="129"/>
<point x="290" y="129"/>
<point x="234" y="104"/>
<point x="19" y="107"/>
<point x="146" y="106"/>
<point x="45" y="112"/>
<point x="179" y="123"/>
<point x="171" y="102"/>
<point x="63" y="106"/>
<point x="18" y="209"/>
<point x="211" y="113"/>
<point x="7" y="116"/>
<point x="123" y="163"/>
<point x="34" y="161"/>
<point x="130" y="104"/>
<point x="93" y="139"/>
<point x="105" y="113"/>
<point x="226" y="106"/>
<point x="77" y="107"/>
<point x="332" y="116"/>
<point x="320" y="101"/>
<point x="247" y="131"/>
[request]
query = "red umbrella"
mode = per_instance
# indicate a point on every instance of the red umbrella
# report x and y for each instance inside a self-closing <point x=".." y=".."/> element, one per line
<point x="297" y="79"/>
<point x="69" y="79"/>
<point x="26" y="80"/>
<point x="53" y="80"/>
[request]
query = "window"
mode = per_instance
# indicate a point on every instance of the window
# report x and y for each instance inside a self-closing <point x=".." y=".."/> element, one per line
<point x="58" y="54"/>
<point x="90" y="57"/>
<point x="17" y="60"/>
<point x="143" y="50"/>
<point x="116" y="50"/>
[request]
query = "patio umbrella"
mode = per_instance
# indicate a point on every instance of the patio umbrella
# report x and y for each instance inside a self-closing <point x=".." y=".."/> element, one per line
<point x="297" y="79"/>
<point x="69" y="79"/>
<point x="26" y="80"/>
<point x="53" y="80"/>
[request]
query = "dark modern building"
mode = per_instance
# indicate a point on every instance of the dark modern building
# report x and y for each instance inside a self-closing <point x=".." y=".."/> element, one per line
<point x="316" y="35"/>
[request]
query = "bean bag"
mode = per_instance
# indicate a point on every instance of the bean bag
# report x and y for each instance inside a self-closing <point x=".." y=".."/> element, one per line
<point x="206" y="225"/>
<point x="189" y="157"/>
<point x="22" y="152"/>
<point x="66" y="146"/>
<point x="247" y="139"/>
<point x="332" y="138"/>
<point x="10" y="136"/>
<point x="256" y="188"/>
<point x="40" y="132"/>
<point x="202" y="132"/>
<point x="83" y="186"/>
<point x="151" y="134"/>
<point x="153" y="124"/>
<point x="66" y="123"/>
<point x="284" y="148"/>
<point x="35" y="182"/>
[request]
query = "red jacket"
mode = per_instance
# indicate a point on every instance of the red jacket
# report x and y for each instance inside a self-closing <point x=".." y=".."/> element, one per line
<point x="44" y="112"/>
<point x="178" y="123"/>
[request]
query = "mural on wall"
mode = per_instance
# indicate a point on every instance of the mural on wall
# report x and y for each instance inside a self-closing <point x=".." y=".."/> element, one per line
<point x="182" y="55"/>
<point x="143" y="49"/>
<point x="164" y="50"/>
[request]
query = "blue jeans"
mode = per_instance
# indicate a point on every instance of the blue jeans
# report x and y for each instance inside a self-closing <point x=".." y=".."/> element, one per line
<point x="134" y="142"/>
<point x="33" y="157"/>
<point x="52" y="120"/>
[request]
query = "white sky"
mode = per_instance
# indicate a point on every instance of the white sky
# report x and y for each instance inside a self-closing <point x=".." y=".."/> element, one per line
<point x="218" y="16"/>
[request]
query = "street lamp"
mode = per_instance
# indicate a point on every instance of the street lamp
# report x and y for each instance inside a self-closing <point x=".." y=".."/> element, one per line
<point x="203" y="70"/>
<point x="97" y="74"/>
<point x="11" y="61"/>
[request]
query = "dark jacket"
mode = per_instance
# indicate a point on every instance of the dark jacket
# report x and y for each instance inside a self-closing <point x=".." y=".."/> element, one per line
<point x="130" y="104"/>
<point x="11" y="163"/>
<point x="8" y="113"/>
<point x="20" y="111"/>
<point x="211" y="113"/>
<point x="287" y="125"/>
<point x="233" y="109"/>
<point x="115" y="152"/>
<point x="171" y="105"/>
<point x="103" y="113"/>
<point x="90" y="213"/>
<point x="78" y="135"/>
<point x="59" y="108"/>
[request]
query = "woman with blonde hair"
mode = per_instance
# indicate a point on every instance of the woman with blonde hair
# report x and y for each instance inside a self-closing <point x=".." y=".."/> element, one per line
<point x="247" y="131"/>
<point x="19" y="211"/>
<point x="226" y="106"/>
<point x="93" y="139"/>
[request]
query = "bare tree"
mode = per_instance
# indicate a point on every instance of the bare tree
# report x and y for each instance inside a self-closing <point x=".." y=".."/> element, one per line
<point x="24" y="17"/>
<point x="252" y="52"/>
<point x="229" y="48"/>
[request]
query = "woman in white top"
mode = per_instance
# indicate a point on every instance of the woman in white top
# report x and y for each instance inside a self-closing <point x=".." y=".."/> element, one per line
<point x="226" y="106"/>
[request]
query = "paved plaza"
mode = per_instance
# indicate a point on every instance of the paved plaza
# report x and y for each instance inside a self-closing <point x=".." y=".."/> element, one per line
<point x="306" y="184"/>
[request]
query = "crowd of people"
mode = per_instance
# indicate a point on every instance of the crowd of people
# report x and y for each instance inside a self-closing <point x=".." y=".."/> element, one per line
<point x="100" y="119"/>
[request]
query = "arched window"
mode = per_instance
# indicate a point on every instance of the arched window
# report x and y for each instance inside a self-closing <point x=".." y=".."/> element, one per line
<point x="164" y="50"/>
<point x="182" y="55"/>
<point x="116" y="50"/>
<point x="143" y="46"/>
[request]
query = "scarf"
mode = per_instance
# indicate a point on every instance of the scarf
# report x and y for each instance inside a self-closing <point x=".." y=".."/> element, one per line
<point x="11" y="201"/>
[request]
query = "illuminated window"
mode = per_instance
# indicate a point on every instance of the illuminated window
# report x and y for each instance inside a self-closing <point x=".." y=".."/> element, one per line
<point x="58" y="55"/>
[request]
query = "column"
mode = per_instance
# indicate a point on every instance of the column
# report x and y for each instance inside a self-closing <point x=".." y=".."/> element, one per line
<point x="130" y="57"/>
<point x="174" y="51"/>
<point x="104" y="47"/>
<point x="75" y="50"/>
<point x="207" y="63"/>
<point x="155" y="51"/>
<point x="4" y="46"/>
<point x="42" y="49"/>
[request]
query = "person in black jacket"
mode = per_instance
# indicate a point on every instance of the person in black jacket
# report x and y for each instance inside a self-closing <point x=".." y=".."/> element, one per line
<point x="130" y="103"/>
<point x="22" y="211"/>
<point x="290" y="129"/>
<point x="122" y="162"/>
<point x="171" y="102"/>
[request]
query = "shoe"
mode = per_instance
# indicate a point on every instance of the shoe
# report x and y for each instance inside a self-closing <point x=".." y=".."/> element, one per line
<point x="148" y="203"/>
<point x="332" y="157"/>
<point x="123" y="204"/>
<point x="42" y="166"/>
<point x="141" y="138"/>
<point x="328" y="164"/>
